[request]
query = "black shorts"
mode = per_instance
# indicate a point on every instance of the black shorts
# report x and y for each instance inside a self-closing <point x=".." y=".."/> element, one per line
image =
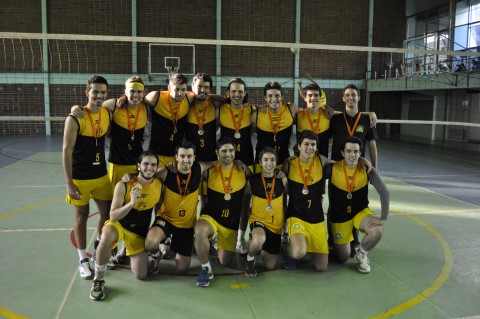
<point x="182" y="238"/>
<point x="272" y="241"/>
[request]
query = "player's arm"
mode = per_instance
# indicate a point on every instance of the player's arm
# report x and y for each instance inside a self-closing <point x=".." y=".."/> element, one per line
<point x="383" y="192"/>
<point x="69" y="139"/>
<point x="254" y="120"/>
<point x="372" y="149"/>
<point x="325" y="161"/>
<point x="151" y="99"/>
<point x="118" y="209"/>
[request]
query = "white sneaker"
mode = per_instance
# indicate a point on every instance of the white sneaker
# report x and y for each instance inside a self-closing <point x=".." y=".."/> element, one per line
<point x="242" y="246"/>
<point x="84" y="269"/>
<point x="362" y="260"/>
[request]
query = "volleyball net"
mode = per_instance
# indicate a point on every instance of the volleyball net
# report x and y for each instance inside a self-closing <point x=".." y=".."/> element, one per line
<point x="43" y="75"/>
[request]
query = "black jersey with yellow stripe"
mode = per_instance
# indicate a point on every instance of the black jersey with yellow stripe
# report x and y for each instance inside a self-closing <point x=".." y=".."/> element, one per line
<point x="164" y="123"/>
<point x="307" y="207"/>
<point x="280" y="141"/>
<point x="139" y="217"/>
<point x="126" y="142"/>
<point x="204" y="142"/>
<point x="88" y="157"/>
<point x="225" y="212"/>
<point x="341" y="207"/>
<point x="180" y="204"/>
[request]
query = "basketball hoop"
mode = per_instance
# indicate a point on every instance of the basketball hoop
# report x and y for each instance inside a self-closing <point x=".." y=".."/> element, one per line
<point x="172" y="69"/>
<point x="172" y="64"/>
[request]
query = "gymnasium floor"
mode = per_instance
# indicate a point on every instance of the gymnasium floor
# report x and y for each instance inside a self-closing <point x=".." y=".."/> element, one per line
<point x="426" y="266"/>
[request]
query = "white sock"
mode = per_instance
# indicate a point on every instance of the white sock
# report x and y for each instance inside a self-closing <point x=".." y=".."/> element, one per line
<point x="240" y="235"/>
<point x="250" y="258"/>
<point x="363" y="251"/>
<point x="82" y="254"/>
<point x="100" y="271"/>
<point x="207" y="265"/>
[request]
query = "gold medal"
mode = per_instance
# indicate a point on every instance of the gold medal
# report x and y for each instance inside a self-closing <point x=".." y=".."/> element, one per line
<point x="237" y="135"/>
<point x="227" y="197"/>
<point x="201" y="131"/>
<point x="175" y="131"/>
<point x="349" y="195"/>
<point x="269" y="208"/>
<point x="132" y="137"/>
<point x="305" y="191"/>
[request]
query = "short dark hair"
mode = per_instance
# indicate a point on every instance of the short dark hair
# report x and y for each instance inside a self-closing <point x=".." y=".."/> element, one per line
<point x="224" y="140"/>
<point x="204" y="77"/>
<point x="307" y="134"/>
<point x="312" y="87"/>
<point x="351" y="86"/>
<point x="96" y="79"/>
<point x="265" y="150"/>
<point x="272" y="85"/>
<point x="239" y="81"/>
<point x="186" y="144"/>
<point x="178" y="78"/>
<point x="353" y="140"/>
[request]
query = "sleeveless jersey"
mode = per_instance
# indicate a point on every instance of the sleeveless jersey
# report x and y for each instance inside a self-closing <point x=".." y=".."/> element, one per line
<point x="265" y="131"/>
<point x="89" y="152"/>
<point x="320" y="122"/>
<point x="243" y="145"/>
<point x="342" y="208"/>
<point x="139" y="217"/>
<point x="164" y="122"/>
<point x="225" y="212"/>
<point x="124" y="150"/>
<point x="181" y="211"/>
<point x="306" y="207"/>
<point x="273" y="220"/>
<point x="205" y="143"/>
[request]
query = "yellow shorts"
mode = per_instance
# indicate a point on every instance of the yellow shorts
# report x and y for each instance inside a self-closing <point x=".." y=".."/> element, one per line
<point x="315" y="234"/>
<point x="164" y="160"/>
<point x="227" y="238"/>
<point x="116" y="172"/>
<point x="134" y="243"/>
<point x="342" y="232"/>
<point x="99" y="188"/>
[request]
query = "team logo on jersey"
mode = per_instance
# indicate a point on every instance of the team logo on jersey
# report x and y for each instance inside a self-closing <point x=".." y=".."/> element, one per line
<point x="296" y="226"/>
<point x="160" y="222"/>
<point x="360" y="129"/>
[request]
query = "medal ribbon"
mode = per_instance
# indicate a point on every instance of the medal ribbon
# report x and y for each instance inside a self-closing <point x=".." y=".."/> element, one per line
<point x="351" y="185"/>
<point x="177" y="111"/>
<point x="202" y="120"/>
<point x="305" y="180"/>
<point x="132" y="130"/>
<point x="237" y="125"/>
<point x="351" y="130"/>
<point x="267" y="196"/>
<point x="186" y="185"/>
<point x="95" y="130"/>
<point x="315" y="129"/>
<point x="275" y="128"/>
<point x="226" y="188"/>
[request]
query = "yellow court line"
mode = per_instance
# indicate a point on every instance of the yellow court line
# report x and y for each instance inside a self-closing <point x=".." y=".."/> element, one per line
<point x="10" y="314"/>
<point x="434" y="286"/>
<point x="28" y="207"/>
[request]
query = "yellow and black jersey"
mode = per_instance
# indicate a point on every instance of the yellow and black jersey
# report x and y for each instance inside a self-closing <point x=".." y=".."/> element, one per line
<point x="180" y="203"/>
<point x="266" y="135"/>
<point x="89" y="150"/>
<point x="272" y="219"/>
<point x="225" y="212"/>
<point x="168" y="128"/>
<point x="317" y="123"/>
<point x="126" y="142"/>
<point x="139" y="217"/>
<point x="342" y="207"/>
<point x="203" y="138"/>
<point x="243" y="144"/>
<point x="307" y="207"/>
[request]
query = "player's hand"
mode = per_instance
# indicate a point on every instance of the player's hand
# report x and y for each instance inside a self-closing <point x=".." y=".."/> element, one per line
<point x="77" y="111"/>
<point x="366" y="163"/>
<point x="73" y="191"/>
<point x="127" y="178"/>
<point x="172" y="167"/>
<point x="135" y="193"/>
<point x="375" y="222"/>
<point x="373" y="119"/>
<point x="122" y="102"/>
<point x="279" y="173"/>
<point x="329" y="112"/>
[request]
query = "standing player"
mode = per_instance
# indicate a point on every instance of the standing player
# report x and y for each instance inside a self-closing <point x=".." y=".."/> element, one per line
<point x="84" y="165"/>
<point x="221" y="208"/>
<point x="130" y="218"/>
<point x="267" y="216"/>
<point x="349" y="198"/>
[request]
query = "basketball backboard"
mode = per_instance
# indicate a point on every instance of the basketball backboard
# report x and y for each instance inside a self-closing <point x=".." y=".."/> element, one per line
<point x="164" y="59"/>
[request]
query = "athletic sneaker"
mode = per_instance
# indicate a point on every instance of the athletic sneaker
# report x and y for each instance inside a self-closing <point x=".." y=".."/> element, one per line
<point x="121" y="257"/>
<point x="214" y="245"/>
<point x="242" y="246"/>
<point x="250" y="270"/>
<point x="97" y="292"/>
<point x="153" y="261"/>
<point x="362" y="260"/>
<point x="84" y="269"/>
<point x="111" y="263"/>
<point x="204" y="277"/>
<point x="166" y="251"/>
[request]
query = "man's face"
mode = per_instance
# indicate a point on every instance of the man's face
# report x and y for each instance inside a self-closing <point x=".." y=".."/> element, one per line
<point x="226" y="154"/>
<point x="97" y="94"/>
<point x="351" y="153"/>
<point x="351" y="98"/>
<point x="236" y="93"/>
<point x="185" y="158"/>
<point x="201" y="89"/>
<point x="268" y="163"/>
<point x="312" y="98"/>
<point x="307" y="148"/>
<point x="177" y="91"/>
<point x="273" y="97"/>
<point x="148" y="167"/>
<point x="134" y="93"/>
